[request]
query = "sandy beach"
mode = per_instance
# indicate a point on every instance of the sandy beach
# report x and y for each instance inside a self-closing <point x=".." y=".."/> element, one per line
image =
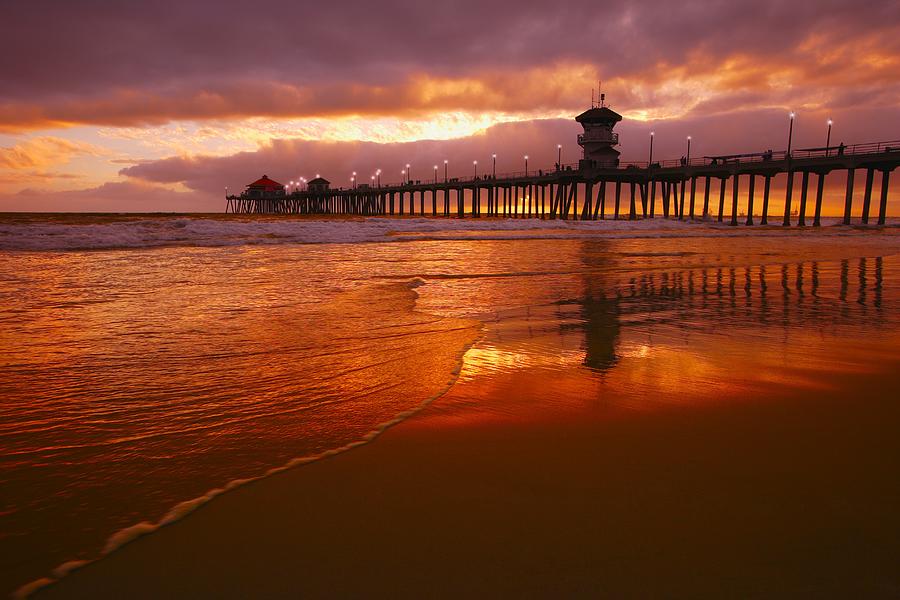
<point x="486" y="414"/>
<point x="793" y="496"/>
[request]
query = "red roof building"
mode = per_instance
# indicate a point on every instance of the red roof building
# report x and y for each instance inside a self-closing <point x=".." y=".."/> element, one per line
<point x="265" y="185"/>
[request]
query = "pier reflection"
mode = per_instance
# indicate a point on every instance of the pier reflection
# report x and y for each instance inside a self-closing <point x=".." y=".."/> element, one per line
<point x="791" y="296"/>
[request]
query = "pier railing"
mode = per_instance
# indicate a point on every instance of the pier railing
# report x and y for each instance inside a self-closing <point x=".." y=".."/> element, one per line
<point x="701" y="161"/>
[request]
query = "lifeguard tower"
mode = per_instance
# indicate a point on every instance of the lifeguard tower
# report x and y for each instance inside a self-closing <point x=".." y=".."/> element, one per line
<point x="599" y="139"/>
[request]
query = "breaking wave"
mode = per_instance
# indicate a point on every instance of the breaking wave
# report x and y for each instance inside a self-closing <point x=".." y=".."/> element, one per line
<point x="103" y="233"/>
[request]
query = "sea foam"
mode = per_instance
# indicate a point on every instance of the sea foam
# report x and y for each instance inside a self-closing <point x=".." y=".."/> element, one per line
<point x="162" y="231"/>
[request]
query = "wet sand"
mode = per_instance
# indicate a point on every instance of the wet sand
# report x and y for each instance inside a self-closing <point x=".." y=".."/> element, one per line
<point x="638" y="418"/>
<point x="792" y="494"/>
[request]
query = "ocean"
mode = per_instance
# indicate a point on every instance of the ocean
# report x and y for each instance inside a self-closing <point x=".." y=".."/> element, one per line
<point x="149" y="363"/>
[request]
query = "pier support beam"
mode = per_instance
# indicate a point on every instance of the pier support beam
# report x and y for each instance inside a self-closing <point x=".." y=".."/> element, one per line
<point x="664" y="196"/>
<point x="618" y="196"/>
<point x="750" y="192"/>
<point x="804" y="191"/>
<point x="600" y="204"/>
<point x="679" y="212"/>
<point x="693" y="193"/>
<point x="586" y="210"/>
<point x="632" y="210"/>
<point x="820" y="187"/>
<point x="706" y="198"/>
<point x="867" y="195"/>
<point x="722" y="183"/>
<point x="735" y="185"/>
<point x="788" y="194"/>
<point x="848" y="196"/>
<point x="644" y="199"/>
<point x="652" y="185"/>
<point x="885" y="183"/>
<point x="765" y="209"/>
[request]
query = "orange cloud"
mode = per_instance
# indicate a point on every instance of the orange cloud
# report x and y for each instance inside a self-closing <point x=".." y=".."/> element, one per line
<point x="43" y="152"/>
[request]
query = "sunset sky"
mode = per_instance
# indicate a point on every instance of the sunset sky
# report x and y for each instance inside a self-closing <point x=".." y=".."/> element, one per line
<point x="146" y="106"/>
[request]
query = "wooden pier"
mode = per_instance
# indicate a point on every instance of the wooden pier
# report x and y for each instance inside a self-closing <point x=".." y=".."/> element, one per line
<point x="629" y="190"/>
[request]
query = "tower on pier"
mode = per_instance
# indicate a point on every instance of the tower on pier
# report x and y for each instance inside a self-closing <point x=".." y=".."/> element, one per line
<point x="599" y="139"/>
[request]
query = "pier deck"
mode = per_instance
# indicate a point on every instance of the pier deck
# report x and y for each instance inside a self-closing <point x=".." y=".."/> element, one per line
<point x="555" y="194"/>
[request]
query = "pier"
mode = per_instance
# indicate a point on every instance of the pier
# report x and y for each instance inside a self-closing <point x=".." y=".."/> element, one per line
<point x="600" y="186"/>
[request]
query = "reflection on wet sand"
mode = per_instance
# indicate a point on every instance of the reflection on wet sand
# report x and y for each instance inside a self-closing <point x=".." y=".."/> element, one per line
<point x="699" y="299"/>
<point x="689" y="335"/>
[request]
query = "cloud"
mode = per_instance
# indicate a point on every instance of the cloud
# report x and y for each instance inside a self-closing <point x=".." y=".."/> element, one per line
<point x="130" y="64"/>
<point x="42" y="152"/>
<point x="131" y="196"/>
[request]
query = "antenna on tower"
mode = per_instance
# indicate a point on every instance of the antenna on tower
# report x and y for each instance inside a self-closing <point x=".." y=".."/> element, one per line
<point x="602" y="95"/>
<point x="592" y="98"/>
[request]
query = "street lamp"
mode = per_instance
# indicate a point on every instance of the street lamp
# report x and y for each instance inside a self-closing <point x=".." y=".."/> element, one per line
<point x="828" y="138"/>
<point x="445" y="171"/>
<point x="688" y="161"/>
<point x="494" y="168"/>
<point x="373" y="180"/>
<point x="378" y="175"/>
<point x="526" y="165"/>
<point x="650" y="161"/>
<point x="403" y="177"/>
<point x="475" y="165"/>
<point x="353" y="181"/>
<point x="435" y="174"/>
<point x="408" y="174"/>
<point x="790" y="134"/>
<point x="559" y="156"/>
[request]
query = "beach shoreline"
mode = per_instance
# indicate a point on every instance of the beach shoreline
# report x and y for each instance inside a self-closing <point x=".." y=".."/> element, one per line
<point x="787" y="496"/>
<point x="613" y="378"/>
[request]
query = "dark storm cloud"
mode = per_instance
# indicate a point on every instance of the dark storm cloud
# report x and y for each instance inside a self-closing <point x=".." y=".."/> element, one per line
<point x="148" y="62"/>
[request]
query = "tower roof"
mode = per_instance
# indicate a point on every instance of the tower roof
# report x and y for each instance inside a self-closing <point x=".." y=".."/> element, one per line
<point x="599" y="114"/>
<point x="318" y="181"/>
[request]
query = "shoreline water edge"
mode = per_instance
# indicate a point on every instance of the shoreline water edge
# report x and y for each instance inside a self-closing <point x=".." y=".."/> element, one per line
<point x="505" y="307"/>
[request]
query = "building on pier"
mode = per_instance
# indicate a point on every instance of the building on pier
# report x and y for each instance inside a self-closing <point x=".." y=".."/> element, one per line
<point x="319" y="185"/>
<point x="599" y="139"/>
<point x="264" y="188"/>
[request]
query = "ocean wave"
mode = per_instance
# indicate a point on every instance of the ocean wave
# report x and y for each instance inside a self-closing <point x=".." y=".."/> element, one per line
<point x="128" y="534"/>
<point x="163" y="231"/>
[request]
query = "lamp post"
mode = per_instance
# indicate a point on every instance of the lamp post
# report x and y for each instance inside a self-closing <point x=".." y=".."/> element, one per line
<point x="378" y="176"/>
<point x="403" y="176"/>
<point x="526" y="165"/>
<point x="435" y="174"/>
<point x="790" y="134"/>
<point x="559" y="156"/>
<point x="445" y="171"/>
<point x="650" y="160"/>
<point x="408" y="174"/>
<point x="353" y="179"/>
<point x="494" y="168"/>
<point x="475" y="166"/>
<point x="828" y="138"/>
<point x="373" y="180"/>
<point x="688" y="161"/>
